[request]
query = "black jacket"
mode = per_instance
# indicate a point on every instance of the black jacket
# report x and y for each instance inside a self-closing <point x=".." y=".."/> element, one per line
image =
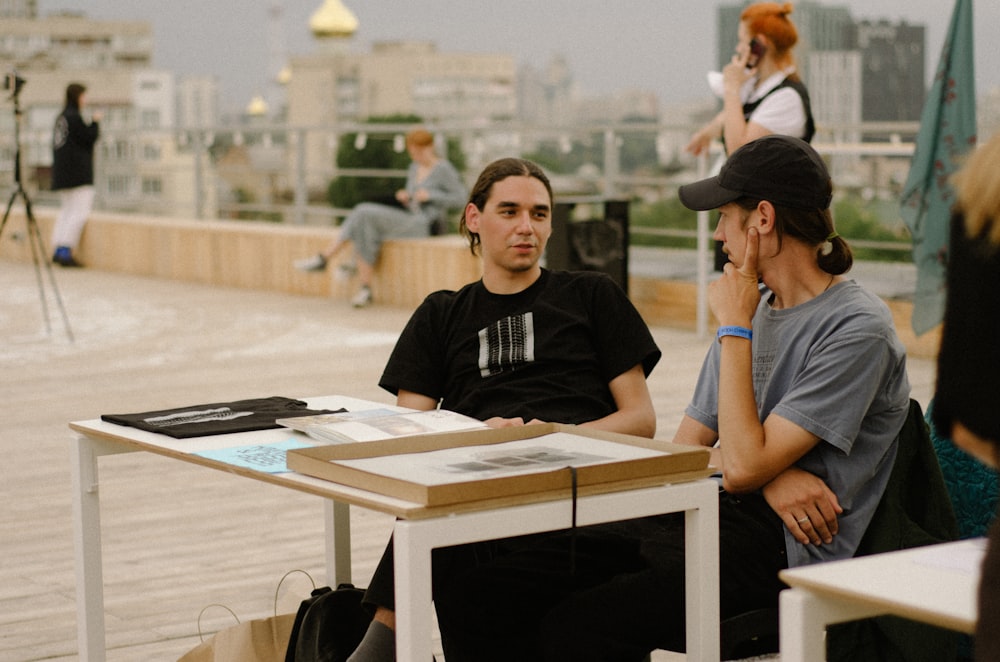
<point x="73" y="150"/>
<point x="915" y="510"/>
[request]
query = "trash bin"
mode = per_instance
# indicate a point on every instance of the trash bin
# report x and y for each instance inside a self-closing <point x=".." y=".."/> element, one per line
<point x="589" y="243"/>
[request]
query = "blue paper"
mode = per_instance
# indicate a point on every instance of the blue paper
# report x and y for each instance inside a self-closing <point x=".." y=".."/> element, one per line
<point x="266" y="458"/>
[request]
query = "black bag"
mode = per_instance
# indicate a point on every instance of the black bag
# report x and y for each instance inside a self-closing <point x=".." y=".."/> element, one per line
<point x="329" y="625"/>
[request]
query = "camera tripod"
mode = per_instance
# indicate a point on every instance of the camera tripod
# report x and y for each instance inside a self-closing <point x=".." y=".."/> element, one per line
<point x="35" y="242"/>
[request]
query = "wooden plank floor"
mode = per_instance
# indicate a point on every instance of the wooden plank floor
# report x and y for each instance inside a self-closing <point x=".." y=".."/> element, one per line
<point x="178" y="537"/>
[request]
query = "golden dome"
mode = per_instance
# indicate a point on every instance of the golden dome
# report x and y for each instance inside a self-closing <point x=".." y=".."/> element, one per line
<point x="333" y="19"/>
<point x="257" y="107"/>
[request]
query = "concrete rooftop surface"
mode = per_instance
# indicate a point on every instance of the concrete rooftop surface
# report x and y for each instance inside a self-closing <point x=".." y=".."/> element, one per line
<point x="178" y="537"/>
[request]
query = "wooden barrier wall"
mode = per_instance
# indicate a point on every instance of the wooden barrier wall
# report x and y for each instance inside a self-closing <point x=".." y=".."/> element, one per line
<point x="251" y="255"/>
<point x="258" y="255"/>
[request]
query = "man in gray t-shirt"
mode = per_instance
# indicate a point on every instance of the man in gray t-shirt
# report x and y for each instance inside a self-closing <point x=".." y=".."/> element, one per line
<point x="834" y="368"/>
<point x="805" y="393"/>
<point x="808" y="410"/>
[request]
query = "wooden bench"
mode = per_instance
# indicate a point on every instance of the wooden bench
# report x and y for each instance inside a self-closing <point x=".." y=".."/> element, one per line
<point x="410" y="269"/>
<point x="249" y="255"/>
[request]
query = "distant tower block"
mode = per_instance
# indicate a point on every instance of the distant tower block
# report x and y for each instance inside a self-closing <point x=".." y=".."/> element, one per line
<point x="277" y="56"/>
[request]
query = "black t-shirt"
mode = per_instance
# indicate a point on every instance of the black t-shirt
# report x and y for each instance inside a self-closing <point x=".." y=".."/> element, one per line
<point x="546" y="353"/>
<point x="217" y="417"/>
<point x="969" y="357"/>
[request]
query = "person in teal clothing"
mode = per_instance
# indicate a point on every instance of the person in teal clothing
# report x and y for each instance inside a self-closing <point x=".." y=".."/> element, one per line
<point x="966" y="398"/>
<point x="433" y="185"/>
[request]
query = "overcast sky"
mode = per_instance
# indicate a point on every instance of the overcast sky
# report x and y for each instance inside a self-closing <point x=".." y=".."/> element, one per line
<point x="665" y="46"/>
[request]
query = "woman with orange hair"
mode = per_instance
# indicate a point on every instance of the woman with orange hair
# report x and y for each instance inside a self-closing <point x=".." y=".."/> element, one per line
<point x="433" y="185"/>
<point x="965" y="403"/>
<point x="762" y="93"/>
<point x="760" y="89"/>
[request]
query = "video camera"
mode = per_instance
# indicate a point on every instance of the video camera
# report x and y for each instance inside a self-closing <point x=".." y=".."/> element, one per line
<point x="13" y="82"/>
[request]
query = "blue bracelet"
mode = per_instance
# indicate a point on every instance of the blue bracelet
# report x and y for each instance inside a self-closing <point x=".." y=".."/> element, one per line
<point x="739" y="331"/>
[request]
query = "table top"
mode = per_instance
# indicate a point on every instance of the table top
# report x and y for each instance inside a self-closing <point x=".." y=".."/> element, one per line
<point x="936" y="584"/>
<point x="187" y="450"/>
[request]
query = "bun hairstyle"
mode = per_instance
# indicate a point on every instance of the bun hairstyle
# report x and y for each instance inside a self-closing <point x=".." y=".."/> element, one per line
<point x="835" y="255"/>
<point x="771" y="19"/>
<point x="813" y="227"/>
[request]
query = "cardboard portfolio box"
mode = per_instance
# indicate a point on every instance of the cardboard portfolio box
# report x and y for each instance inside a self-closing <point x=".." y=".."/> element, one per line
<point x="456" y="467"/>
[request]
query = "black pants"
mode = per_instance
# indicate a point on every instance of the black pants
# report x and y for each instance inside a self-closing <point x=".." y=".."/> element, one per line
<point x="625" y="598"/>
<point x="446" y="562"/>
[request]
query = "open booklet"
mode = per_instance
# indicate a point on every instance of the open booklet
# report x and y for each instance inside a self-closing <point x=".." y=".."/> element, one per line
<point x="375" y="424"/>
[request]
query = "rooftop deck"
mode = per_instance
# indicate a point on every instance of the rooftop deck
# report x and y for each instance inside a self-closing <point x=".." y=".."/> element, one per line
<point x="178" y="537"/>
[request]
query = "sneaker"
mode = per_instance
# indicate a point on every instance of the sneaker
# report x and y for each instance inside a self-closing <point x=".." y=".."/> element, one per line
<point x="315" y="263"/>
<point x="64" y="258"/>
<point x="362" y="298"/>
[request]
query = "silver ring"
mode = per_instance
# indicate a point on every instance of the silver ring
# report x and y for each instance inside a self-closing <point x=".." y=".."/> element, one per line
<point x="804" y="519"/>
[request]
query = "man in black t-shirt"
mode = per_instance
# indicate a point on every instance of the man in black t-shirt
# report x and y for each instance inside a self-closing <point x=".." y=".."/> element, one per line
<point x="522" y="345"/>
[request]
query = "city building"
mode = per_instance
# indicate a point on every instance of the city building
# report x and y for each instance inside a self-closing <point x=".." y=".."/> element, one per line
<point x="893" y="78"/>
<point x="890" y="85"/>
<point x="18" y="8"/>
<point x="335" y="85"/>
<point x="870" y="72"/>
<point x="143" y="163"/>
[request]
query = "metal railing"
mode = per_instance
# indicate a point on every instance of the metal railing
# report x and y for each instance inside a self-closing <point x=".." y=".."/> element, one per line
<point x="283" y="171"/>
<point x="280" y="173"/>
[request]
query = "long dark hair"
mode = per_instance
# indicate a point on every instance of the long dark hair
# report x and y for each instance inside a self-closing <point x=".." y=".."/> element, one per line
<point x="813" y="227"/>
<point x="497" y="171"/>
<point x="73" y="93"/>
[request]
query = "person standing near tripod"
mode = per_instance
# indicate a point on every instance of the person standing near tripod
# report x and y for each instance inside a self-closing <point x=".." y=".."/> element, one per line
<point x="73" y="141"/>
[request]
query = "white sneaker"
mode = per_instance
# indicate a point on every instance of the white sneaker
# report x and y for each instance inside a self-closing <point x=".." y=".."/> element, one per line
<point x="315" y="263"/>
<point x="362" y="298"/>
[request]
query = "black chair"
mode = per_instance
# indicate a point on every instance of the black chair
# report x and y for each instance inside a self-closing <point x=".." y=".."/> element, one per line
<point x="749" y="634"/>
<point x="915" y="510"/>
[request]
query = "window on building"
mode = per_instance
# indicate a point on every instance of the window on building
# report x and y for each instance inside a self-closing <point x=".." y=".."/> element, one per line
<point x="152" y="186"/>
<point x="118" y="185"/>
<point x="150" y="119"/>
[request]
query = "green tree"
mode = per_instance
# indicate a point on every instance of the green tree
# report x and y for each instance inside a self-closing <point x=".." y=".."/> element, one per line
<point x="567" y="156"/>
<point x="377" y="151"/>
<point x="857" y="219"/>
<point x="637" y="149"/>
<point x="666" y="214"/>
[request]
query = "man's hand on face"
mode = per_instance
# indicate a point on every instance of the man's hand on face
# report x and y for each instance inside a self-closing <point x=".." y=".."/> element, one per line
<point x="733" y="298"/>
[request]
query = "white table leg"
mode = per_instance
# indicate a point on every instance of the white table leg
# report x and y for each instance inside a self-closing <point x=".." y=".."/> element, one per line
<point x="701" y="574"/>
<point x="804" y="616"/>
<point x="87" y="545"/>
<point x="337" y="523"/>
<point x="414" y="540"/>
<point x="412" y="565"/>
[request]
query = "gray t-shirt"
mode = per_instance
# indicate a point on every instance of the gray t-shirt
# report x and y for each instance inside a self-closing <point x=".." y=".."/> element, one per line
<point x="835" y="367"/>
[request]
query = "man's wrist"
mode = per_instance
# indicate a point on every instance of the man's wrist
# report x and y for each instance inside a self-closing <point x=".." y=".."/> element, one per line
<point x="736" y="331"/>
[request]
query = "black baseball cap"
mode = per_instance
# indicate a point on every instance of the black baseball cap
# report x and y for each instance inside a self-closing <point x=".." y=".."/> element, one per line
<point x="783" y="170"/>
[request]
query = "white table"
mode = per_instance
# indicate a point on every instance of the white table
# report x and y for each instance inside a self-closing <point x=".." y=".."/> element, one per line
<point x="936" y="584"/>
<point x="417" y="531"/>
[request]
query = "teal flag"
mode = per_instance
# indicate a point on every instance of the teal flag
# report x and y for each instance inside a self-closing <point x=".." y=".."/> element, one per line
<point x="947" y="132"/>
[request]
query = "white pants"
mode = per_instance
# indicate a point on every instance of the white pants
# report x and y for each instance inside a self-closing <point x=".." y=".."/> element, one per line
<point x="75" y="206"/>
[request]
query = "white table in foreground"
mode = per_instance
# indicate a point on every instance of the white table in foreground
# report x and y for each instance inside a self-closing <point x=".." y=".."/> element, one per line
<point x="936" y="584"/>
<point x="417" y="531"/>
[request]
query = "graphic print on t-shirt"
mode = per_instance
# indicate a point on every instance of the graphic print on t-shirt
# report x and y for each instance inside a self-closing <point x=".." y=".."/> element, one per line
<point x="506" y="344"/>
